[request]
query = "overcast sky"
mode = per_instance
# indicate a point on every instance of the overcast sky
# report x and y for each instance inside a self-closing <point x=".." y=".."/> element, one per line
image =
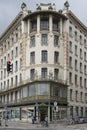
<point x="10" y="8"/>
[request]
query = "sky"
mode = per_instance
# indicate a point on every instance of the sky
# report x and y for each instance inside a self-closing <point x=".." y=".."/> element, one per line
<point x="10" y="8"/>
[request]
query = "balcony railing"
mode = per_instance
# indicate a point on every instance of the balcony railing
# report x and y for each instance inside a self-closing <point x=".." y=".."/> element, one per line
<point x="35" y="78"/>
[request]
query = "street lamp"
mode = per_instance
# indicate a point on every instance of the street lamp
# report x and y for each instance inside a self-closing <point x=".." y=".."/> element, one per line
<point x="5" y="115"/>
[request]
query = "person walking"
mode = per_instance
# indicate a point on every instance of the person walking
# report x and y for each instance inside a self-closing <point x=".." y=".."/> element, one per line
<point x="46" y="121"/>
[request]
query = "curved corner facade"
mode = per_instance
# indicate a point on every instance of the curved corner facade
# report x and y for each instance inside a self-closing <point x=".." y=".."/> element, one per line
<point x="39" y="44"/>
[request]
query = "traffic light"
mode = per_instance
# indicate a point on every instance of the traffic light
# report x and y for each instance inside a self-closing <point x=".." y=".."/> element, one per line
<point x="9" y="66"/>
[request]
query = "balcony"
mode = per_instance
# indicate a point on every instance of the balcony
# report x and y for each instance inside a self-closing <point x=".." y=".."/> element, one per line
<point x="35" y="78"/>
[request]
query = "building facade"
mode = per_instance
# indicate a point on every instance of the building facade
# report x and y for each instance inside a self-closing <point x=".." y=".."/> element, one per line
<point x="47" y="49"/>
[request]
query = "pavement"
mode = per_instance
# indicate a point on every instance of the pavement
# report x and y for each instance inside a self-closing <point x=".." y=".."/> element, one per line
<point x="29" y="126"/>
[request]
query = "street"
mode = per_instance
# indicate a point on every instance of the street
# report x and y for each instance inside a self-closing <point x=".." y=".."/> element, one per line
<point x="24" y="129"/>
<point x="17" y="125"/>
<point x="57" y="127"/>
<point x="16" y="129"/>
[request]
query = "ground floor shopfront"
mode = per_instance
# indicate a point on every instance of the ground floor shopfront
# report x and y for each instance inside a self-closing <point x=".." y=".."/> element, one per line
<point x="26" y="113"/>
<point x="37" y="100"/>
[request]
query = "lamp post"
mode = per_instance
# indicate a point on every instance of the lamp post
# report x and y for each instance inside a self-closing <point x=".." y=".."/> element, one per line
<point x="37" y="110"/>
<point x="5" y="115"/>
<point x="55" y="110"/>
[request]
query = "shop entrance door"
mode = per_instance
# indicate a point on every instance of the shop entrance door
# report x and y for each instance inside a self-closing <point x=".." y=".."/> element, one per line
<point x="43" y="113"/>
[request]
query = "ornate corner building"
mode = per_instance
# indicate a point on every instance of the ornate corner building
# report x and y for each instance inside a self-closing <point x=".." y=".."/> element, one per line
<point x="48" y="51"/>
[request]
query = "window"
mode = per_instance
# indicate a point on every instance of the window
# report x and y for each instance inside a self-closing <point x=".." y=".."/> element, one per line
<point x="8" y="83"/>
<point x="76" y="95"/>
<point x="80" y="81"/>
<point x="2" y="50"/>
<point x="56" y="40"/>
<point x="85" y="43"/>
<point x="44" y="24"/>
<point x="1" y="75"/>
<point x="32" y="74"/>
<point x="43" y="89"/>
<point x="80" y="39"/>
<point x="81" y="96"/>
<point x="71" y="94"/>
<point x="56" y="73"/>
<point x="16" y="80"/>
<point x="84" y="69"/>
<point x="81" y="111"/>
<point x="71" y="111"/>
<point x="77" y="111"/>
<point x="4" y="60"/>
<point x="16" y="37"/>
<point x="57" y="91"/>
<point x="75" y="79"/>
<point x="11" y="96"/>
<point x="76" y="50"/>
<point x="32" y="41"/>
<point x="24" y="92"/>
<point x="20" y="63"/>
<point x="70" y="46"/>
<point x="11" y="82"/>
<point x="8" y="56"/>
<point x="16" y="53"/>
<point x="16" y="66"/>
<point x="70" y="31"/>
<point x="4" y="73"/>
<point x="34" y="25"/>
<point x="70" y="78"/>
<point x="43" y="72"/>
<point x="32" y="91"/>
<point x="4" y="84"/>
<point x="5" y="48"/>
<point x="12" y="55"/>
<point x="32" y="57"/>
<point x="55" y="25"/>
<point x="16" y="95"/>
<point x="80" y="53"/>
<point x="7" y="98"/>
<point x="56" y="57"/>
<point x="8" y="45"/>
<point x="76" y="65"/>
<point x="44" y="56"/>
<point x="85" y="80"/>
<point x="12" y="40"/>
<point x="70" y="62"/>
<point x="85" y="56"/>
<point x="86" y="111"/>
<point x="81" y="69"/>
<point x="20" y="47"/>
<point x="1" y="63"/>
<point x="20" y="77"/>
<point x="76" y="36"/>
<point x="44" y="39"/>
<point x="86" y="97"/>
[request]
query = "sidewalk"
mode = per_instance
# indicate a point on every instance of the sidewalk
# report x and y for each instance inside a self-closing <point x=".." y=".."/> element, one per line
<point x="21" y="124"/>
<point x="29" y="126"/>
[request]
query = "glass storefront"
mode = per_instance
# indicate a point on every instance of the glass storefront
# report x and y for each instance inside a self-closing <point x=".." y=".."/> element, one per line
<point x="37" y="99"/>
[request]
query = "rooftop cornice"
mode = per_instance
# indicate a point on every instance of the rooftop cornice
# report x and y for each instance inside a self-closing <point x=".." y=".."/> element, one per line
<point x="43" y="12"/>
<point x="70" y="13"/>
<point x="16" y="20"/>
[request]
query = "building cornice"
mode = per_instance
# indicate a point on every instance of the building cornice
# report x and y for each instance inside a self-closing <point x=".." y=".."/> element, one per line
<point x="82" y="26"/>
<point x="11" y="26"/>
<point x="43" y="12"/>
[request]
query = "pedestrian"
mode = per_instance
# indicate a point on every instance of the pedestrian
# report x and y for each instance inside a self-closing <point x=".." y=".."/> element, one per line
<point x="32" y="119"/>
<point x="46" y="121"/>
